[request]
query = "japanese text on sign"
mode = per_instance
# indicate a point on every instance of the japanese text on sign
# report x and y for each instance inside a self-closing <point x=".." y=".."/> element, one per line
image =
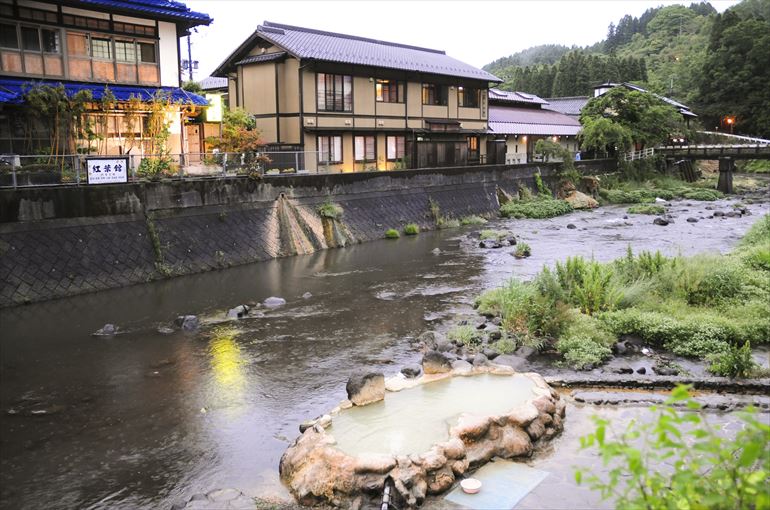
<point x="107" y="171"/>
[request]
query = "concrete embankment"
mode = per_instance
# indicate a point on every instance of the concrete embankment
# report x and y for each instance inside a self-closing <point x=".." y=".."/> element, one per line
<point x="61" y="241"/>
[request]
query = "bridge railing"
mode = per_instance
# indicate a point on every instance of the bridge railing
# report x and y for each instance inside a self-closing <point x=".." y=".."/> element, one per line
<point x="640" y="154"/>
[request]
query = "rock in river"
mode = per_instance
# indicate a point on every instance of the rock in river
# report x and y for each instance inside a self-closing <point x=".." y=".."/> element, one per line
<point x="366" y="387"/>
<point x="187" y="322"/>
<point x="434" y="362"/>
<point x="106" y="330"/>
<point x="660" y="221"/>
<point x="274" y="302"/>
<point x="238" y="312"/>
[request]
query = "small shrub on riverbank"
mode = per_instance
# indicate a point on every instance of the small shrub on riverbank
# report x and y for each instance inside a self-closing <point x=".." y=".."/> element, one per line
<point x="505" y="345"/>
<point x="392" y="233"/>
<point x="465" y="335"/>
<point x="330" y="210"/>
<point x="472" y="220"/>
<point x="647" y="209"/>
<point x="411" y="229"/>
<point x="538" y="208"/>
<point x="585" y="343"/>
<point x="734" y="362"/>
<point x="523" y="250"/>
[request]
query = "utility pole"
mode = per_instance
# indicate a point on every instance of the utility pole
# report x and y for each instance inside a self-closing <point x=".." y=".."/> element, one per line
<point x="189" y="57"/>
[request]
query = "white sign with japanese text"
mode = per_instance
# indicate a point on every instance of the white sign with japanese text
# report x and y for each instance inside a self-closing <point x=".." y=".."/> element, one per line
<point x="107" y="170"/>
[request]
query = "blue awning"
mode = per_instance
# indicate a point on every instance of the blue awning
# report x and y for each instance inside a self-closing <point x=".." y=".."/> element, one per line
<point x="162" y="8"/>
<point x="12" y="91"/>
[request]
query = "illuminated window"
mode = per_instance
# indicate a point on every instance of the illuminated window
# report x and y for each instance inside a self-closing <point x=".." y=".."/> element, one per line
<point x="433" y="94"/>
<point x="364" y="148"/>
<point x="468" y="97"/>
<point x="330" y="149"/>
<point x="395" y="147"/>
<point x="389" y="91"/>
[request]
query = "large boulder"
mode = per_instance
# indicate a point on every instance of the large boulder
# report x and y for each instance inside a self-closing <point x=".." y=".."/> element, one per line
<point x="434" y="362"/>
<point x="365" y="388"/>
<point x="187" y="322"/>
<point x="515" y="362"/>
<point x="274" y="302"/>
<point x="579" y="200"/>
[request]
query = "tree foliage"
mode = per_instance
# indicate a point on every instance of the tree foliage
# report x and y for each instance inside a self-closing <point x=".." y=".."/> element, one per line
<point x="680" y="460"/>
<point x="239" y="133"/>
<point x="621" y="116"/>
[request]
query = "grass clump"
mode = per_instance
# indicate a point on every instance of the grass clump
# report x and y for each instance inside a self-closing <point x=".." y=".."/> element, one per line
<point x="505" y="345"/>
<point x="392" y="233"/>
<point x="411" y="229"/>
<point x="465" y="335"/>
<point x="754" y="166"/>
<point x="330" y="210"/>
<point x="472" y="220"/>
<point x="646" y="209"/>
<point x="734" y="362"/>
<point x="522" y="251"/>
<point x="645" y="191"/>
<point x="496" y="235"/>
<point x="537" y="208"/>
<point x="706" y="195"/>
<point x="703" y="307"/>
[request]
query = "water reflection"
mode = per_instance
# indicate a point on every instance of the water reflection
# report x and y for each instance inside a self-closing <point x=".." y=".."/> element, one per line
<point x="227" y="362"/>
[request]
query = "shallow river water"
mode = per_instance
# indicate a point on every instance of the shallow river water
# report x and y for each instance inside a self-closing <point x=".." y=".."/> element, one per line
<point x="145" y="419"/>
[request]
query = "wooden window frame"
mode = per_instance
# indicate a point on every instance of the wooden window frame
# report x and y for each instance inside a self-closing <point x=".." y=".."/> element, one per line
<point x="330" y="150"/>
<point x="334" y="81"/>
<point x="387" y="147"/>
<point x="393" y="87"/>
<point x="465" y="93"/>
<point x="474" y="154"/>
<point x="435" y="94"/>
<point x="367" y="138"/>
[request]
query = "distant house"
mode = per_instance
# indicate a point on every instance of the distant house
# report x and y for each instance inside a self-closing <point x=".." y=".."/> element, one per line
<point x="517" y="120"/>
<point x="127" y="47"/>
<point x="684" y="110"/>
<point x="353" y="103"/>
<point x="571" y="106"/>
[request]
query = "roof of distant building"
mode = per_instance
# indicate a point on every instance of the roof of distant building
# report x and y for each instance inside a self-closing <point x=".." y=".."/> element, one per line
<point x="306" y="43"/>
<point x="264" y="57"/>
<point x="567" y="105"/>
<point x="167" y="9"/>
<point x="515" y="97"/>
<point x="511" y="120"/>
<point x="12" y="91"/>
<point x="213" y="83"/>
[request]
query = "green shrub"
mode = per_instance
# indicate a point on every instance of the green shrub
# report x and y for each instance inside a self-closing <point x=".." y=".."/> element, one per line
<point x="585" y="342"/>
<point x="703" y="280"/>
<point x="505" y="345"/>
<point x="647" y="209"/>
<point x="542" y="208"/>
<point x="449" y="223"/>
<point x="734" y="362"/>
<point x="759" y="232"/>
<point x="392" y="233"/>
<point x="703" y="467"/>
<point x="754" y="166"/>
<point x="497" y="235"/>
<point x="411" y="229"/>
<point x="542" y="189"/>
<point x="329" y="210"/>
<point x="465" y="335"/>
<point x="472" y="220"/>
<point x="708" y="195"/>
<point x="588" y="285"/>
<point x="522" y="250"/>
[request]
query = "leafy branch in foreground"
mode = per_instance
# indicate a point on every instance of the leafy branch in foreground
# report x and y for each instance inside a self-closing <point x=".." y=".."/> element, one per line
<point x="681" y="461"/>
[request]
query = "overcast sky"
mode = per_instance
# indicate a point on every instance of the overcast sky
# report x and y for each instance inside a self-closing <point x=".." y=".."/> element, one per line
<point x="476" y="32"/>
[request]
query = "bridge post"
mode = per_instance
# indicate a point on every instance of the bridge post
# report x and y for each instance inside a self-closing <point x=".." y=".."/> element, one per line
<point x="726" y="168"/>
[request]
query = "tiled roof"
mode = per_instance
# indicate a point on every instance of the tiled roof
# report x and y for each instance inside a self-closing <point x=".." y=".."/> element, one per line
<point x="265" y="57"/>
<point x="509" y="120"/>
<point x="305" y="43"/>
<point x="12" y="91"/>
<point x="163" y="8"/>
<point x="683" y="109"/>
<point x="514" y="97"/>
<point x="567" y="105"/>
<point x="213" y="83"/>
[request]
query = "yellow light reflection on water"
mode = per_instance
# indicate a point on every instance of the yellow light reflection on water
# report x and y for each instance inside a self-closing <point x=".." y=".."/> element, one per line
<point x="226" y="360"/>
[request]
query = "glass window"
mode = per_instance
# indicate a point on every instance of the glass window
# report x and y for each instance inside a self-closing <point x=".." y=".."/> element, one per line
<point x="125" y="51"/>
<point x="395" y="147"/>
<point x="364" y="148"/>
<point x="101" y="48"/>
<point x="334" y="92"/>
<point x="468" y="97"/>
<point x="50" y="40"/>
<point x="389" y="91"/>
<point x="434" y="94"/>
<point x="147" y="52"/>
<point x="330" y="149"/>
<point x="473" y="147"/>
<point x="8" y="38"/>
<point x="30" y="40"/>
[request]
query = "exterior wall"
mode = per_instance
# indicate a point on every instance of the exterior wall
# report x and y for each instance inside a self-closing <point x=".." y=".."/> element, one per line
<point x="169" y="56"/>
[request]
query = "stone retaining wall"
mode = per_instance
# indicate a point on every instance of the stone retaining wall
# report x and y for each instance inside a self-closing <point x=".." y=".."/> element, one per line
<point x="61" y="241"/>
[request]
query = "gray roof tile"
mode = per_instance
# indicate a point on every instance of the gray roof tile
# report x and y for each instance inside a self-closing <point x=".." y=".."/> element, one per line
<point x="530" y="121"/>
<point x="306" y="43"/>
<point x="515" y="97"/>
<point x="567" y="105"/>
<point x="265" y="57"/>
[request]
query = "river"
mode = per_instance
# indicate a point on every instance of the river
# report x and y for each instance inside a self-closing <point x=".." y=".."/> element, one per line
<point x="146" y="419"/>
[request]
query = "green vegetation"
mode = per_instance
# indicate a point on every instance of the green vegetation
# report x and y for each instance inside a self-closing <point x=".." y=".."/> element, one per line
<point x="465" y="335"/>
<point x="392" y="233"/>
<point x="497" y="235"/>
<point x="472" y="220"/>
<point x="330" y="210"/>
<point x="705" y="469"/>
<point x="754" y="166"/>
<point x="646" y="209"/>
<point x="439" y="219"/>
<point x="535" y="208"/>
<point x="522" y="251"/>
<point x="411" y="229"/>
<point x="650" y="186"/>
<point x="702" y="306"/>
<point x="505" y="345"/>
<point x="735" y="362"/>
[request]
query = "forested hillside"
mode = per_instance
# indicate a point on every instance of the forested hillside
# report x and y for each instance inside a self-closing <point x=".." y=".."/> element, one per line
<point x="719" y="64"/>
